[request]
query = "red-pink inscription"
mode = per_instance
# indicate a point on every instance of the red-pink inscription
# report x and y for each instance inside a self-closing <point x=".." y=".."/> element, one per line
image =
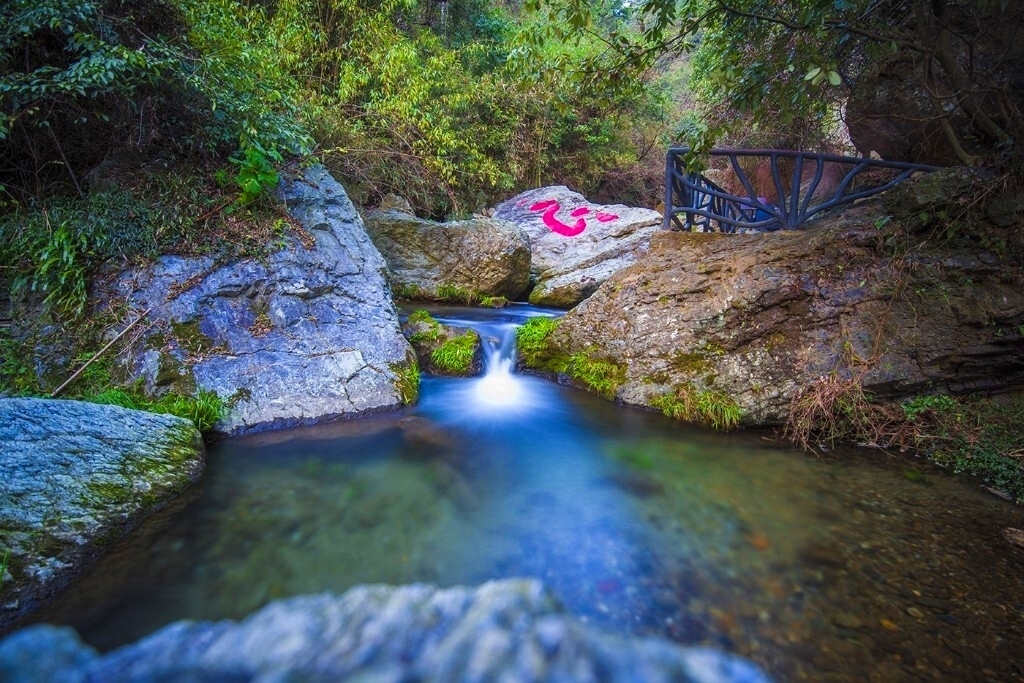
<point x="550" y="207"/>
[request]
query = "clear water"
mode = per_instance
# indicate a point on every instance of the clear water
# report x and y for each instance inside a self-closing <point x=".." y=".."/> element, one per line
<point x="838" y="569"/>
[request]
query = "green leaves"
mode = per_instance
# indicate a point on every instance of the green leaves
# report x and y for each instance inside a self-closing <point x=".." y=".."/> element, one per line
<point x="256" y="174"/>
<point x="820" y="74"/>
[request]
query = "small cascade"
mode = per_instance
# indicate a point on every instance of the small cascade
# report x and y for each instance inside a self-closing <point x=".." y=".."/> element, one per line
<point x="499" y="387"/>
<point x="499" y="392"/>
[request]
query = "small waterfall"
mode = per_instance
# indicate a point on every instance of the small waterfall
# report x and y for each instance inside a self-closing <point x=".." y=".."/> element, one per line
<point x="499" y="393"/>
<point x="499" y="387"/>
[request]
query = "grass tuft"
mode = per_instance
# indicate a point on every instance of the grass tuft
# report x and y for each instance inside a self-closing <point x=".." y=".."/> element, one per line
<point x="712" y="408"/>
<point x="456" y="354"/>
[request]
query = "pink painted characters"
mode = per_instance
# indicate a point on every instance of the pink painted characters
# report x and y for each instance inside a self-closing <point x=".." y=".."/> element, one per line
<point x="550" y="207"/>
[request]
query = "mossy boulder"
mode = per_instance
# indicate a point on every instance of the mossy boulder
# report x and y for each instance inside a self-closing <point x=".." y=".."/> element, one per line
<point x="75" y="477"/>
<point x="443" y="349"/>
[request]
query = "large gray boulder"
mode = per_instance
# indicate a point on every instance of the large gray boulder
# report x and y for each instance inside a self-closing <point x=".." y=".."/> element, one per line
<point x="76" y="476"/>
<point x="479" y="257"/>
<point x="309" y="333"/>
<point x="576" y="245"/>
<point x="501" y="631"/>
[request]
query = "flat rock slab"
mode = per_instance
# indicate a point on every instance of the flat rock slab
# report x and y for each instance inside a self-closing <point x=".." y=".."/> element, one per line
<point x="75" y="476"/>
<point x="308" y="334"/>
<point x="500" y="631"/>
<point x="481" y="257"/>
<point x="576" y="245"/>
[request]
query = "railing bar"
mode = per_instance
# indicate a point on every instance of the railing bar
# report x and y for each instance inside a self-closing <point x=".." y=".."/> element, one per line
<point x="794" y="190"/>
<point x="818" y="173"/>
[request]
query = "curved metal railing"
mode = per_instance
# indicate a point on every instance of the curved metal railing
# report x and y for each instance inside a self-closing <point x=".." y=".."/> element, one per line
<point x="709" y="207"/>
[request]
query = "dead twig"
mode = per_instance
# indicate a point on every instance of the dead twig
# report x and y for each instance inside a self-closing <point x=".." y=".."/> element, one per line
<point x="79" y="371"/>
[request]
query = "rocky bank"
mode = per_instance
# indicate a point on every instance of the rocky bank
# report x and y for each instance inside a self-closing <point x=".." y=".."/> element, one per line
<point x="75" y="477"/>
<point x="920" y="290"/>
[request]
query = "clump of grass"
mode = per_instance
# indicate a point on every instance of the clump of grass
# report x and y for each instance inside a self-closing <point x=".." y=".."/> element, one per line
<point x="604" y="377"/>
<point x="980" y="436"/>
<point x="493" y="301"/>
<point x="836" y="409"/>
<point x="430" y="329"/>
<point x="456" y="354"/>
<point x="456" y="294"/>
<point x="533" y="346"/>
<point x="3" y="567"/>
<point x="409" y="291"/>
<point x="407" y="380"/>
<point x="204" y="409"/>
<point x="712" y="408"/>
<point x="533" y="340"/>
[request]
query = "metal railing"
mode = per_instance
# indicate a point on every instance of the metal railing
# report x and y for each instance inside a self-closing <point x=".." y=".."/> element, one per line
<point x="709" y="207"/>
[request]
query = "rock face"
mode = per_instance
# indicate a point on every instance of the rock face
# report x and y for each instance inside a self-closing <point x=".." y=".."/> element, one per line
<point x="76" y="475"/>
<point x="483" y="256"/>
<point x="576" y="245"/>
<point x="890" y="113"/>
<point x="757" y="318"/>
<point x="310" y="333"/>
<point x="501" y="631"/>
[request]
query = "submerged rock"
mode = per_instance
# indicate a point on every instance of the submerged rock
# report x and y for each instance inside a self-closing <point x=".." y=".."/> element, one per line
<point x="504" y="630"/>
<point x="756" y="319"/>
<point x="576" y="244"/>
<point x="75" y="477"/>
<point x="475" y="258"/>
<point x="309" y="333"/>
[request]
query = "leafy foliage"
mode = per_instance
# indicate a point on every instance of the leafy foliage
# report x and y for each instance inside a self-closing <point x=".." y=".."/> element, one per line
<point x="775" y="74"/>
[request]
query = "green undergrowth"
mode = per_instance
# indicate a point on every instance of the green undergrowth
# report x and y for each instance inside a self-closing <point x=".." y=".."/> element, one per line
<point x="53" y="248"/>
<point x="712" y="408"/>
<point x="976" y="435"/>
<point x="456" y="354"/>
<point x="204" y="409"/>
<point x="98" y="383"/>
<point x="983" y="437"/>
<point x="533" y="340"/>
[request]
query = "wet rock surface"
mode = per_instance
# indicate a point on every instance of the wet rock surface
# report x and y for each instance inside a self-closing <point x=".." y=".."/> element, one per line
<point x="759" y="317"/>
<point x="307" y="334"/>
<point x="75" y="477"/>
<point x="508" y="630"/>
<point x="576" y="244"/>
<point x="482" y="256"/>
